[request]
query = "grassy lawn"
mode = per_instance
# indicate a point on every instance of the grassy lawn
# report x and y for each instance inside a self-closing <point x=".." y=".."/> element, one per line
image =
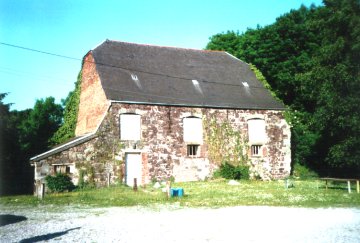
<point x="215" y="193"/>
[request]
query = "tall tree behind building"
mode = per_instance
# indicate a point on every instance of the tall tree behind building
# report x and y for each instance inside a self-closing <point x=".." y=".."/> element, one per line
<point x="24" y="134"/>
<point x="310" y="57"/>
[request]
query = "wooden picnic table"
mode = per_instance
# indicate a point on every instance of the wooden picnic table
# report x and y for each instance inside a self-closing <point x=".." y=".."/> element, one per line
<point x="326" y="179"/>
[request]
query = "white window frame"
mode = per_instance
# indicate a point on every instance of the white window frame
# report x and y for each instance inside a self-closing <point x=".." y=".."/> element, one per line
<point x="256" y="131"/>
<point x="63" y="169"/>
<point x="257" y="136"/>
<point x="130" y="127"/>
<point x="193" y="130"/>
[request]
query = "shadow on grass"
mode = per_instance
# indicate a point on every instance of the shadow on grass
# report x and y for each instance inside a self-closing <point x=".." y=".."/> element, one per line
<point x="47" y="236"/>
<point x="6" y="219"/>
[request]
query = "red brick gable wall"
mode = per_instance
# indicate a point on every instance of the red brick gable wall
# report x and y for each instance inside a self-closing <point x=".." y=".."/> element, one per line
<point x="93" y="102"/>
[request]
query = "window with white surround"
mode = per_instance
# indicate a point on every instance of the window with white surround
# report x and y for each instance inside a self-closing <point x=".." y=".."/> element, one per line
<point x="63" y="169"/>
<point x="257" y="136"/>
<point x="193" y="134"/>
<point x="256" y="129"/>
<point x="130" y="127"/>
<point x="193" y="130"/>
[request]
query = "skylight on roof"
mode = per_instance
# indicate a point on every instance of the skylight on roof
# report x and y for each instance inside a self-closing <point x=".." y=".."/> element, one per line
<point x="197" y="86"/>
<point x="136" y="80"/>
<point x="134" y="77"/>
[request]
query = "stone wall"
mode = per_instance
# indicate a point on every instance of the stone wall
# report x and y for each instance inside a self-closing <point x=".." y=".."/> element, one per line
<point x="97" y="168"/>
<point x="163" y="151"/>
<point x="162" y="141"/>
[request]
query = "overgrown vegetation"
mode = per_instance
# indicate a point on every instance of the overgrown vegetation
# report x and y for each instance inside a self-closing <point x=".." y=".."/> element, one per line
<point x="215" y="193"/>
<point x="310" y="57"/>
<point x="228" y="171"/>
<point x="228" y="148"/>
<point x="71" y="103"/>
<point x="225" y="143"/>
<point x="59" y="183"/>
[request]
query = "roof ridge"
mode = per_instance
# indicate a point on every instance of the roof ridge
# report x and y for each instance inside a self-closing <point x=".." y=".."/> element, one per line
<point x="160" y="46"/>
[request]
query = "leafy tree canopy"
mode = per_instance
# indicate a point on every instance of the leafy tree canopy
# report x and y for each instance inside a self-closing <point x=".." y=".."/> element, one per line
<point x="24" y="134"/>
<point x="311" y="57"/>
<point x="71" y="103"/>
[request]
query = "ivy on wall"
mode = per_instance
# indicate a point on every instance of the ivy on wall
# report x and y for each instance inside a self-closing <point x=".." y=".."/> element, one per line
<point x="103" y="154"/>
<point x="225" y="144"/>
<point x="67" y="130"/>
<point x="289" y="114"/>
<point x="265" y="83"/>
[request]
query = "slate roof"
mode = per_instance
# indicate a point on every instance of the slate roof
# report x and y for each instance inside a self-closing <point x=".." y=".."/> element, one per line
<point x="146" y="74"/>
<point x="61" y="147"/>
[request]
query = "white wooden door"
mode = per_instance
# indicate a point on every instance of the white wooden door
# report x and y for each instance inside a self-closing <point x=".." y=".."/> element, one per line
<point x="133" y="169"/>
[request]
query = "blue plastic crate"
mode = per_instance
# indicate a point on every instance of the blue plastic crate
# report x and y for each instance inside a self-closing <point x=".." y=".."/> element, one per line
<point x="177" y="192"/>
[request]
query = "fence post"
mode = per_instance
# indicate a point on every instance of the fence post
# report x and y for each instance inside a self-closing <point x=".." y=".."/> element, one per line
<point x="135" y="185"/>
<point x="168" y="188"/>
<point x="41" y="192"/>
<point x="108" y="179"/>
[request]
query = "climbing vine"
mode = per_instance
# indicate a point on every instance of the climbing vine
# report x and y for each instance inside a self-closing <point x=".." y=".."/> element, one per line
<point x="103" y="154"/>
<point x="262" y="79"/>
<point x="67" y="130"/>
<point x="225" y="144"/>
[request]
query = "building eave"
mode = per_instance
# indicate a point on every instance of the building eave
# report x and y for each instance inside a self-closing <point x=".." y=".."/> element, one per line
<point x="76" y="141"/>
<point x="199" y="105"/>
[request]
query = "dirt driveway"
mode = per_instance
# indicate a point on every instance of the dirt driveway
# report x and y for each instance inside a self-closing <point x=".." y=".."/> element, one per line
<point x="175" y="224"/>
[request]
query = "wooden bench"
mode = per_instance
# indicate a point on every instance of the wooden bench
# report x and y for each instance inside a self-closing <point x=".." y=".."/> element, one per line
<point x="326" y="179"/>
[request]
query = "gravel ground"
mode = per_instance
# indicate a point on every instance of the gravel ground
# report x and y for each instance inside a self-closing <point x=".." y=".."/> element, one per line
<point x="176" y="224"/>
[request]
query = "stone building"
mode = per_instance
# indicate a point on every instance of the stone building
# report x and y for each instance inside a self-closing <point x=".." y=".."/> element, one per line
<point x="154" y="113"/>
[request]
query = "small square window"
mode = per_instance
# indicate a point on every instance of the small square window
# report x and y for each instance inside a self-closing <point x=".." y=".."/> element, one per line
<point x="192" y="149"/>
<point x="255" y="150"/>
<point x="62" y="169"/>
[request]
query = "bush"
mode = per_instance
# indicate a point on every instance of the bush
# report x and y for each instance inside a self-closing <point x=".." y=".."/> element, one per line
<point x="303" y="172"/>
<point x="228" y="171"/>
<point x="82" y="183"/>
<point x="59" y="183"/>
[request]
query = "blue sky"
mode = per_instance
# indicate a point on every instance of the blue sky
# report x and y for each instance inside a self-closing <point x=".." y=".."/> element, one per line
<point x="72" y="28"/>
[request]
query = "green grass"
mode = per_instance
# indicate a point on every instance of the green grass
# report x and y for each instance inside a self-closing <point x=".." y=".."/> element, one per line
<point x="215" y="193"/>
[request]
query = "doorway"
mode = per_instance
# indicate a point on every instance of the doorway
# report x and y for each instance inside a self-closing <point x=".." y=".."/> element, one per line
<point x="133" y="169"/>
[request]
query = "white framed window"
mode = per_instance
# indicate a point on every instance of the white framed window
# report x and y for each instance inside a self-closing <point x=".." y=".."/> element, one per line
<point x="256" y="150"/>
<point x="63" y="169"/>
<point x="130" y="126"/>
<point x="256" y="130"/>
<point x="192" y="149"/>
<point x="193" y="130"/>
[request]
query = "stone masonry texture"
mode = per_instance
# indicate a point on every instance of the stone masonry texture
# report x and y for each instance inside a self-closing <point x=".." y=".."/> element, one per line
<point x="163" y="151"/>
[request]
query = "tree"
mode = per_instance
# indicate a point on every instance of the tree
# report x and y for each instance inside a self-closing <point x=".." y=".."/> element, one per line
<point x="24" y="134"/>
<point x="311" y="57"/>
<point x="43" y="121"/>
<point x="334" y="83"/>
<point x="228" y="42"/>
<point x="8" y="146"/>
<point x="71" y="103"/>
